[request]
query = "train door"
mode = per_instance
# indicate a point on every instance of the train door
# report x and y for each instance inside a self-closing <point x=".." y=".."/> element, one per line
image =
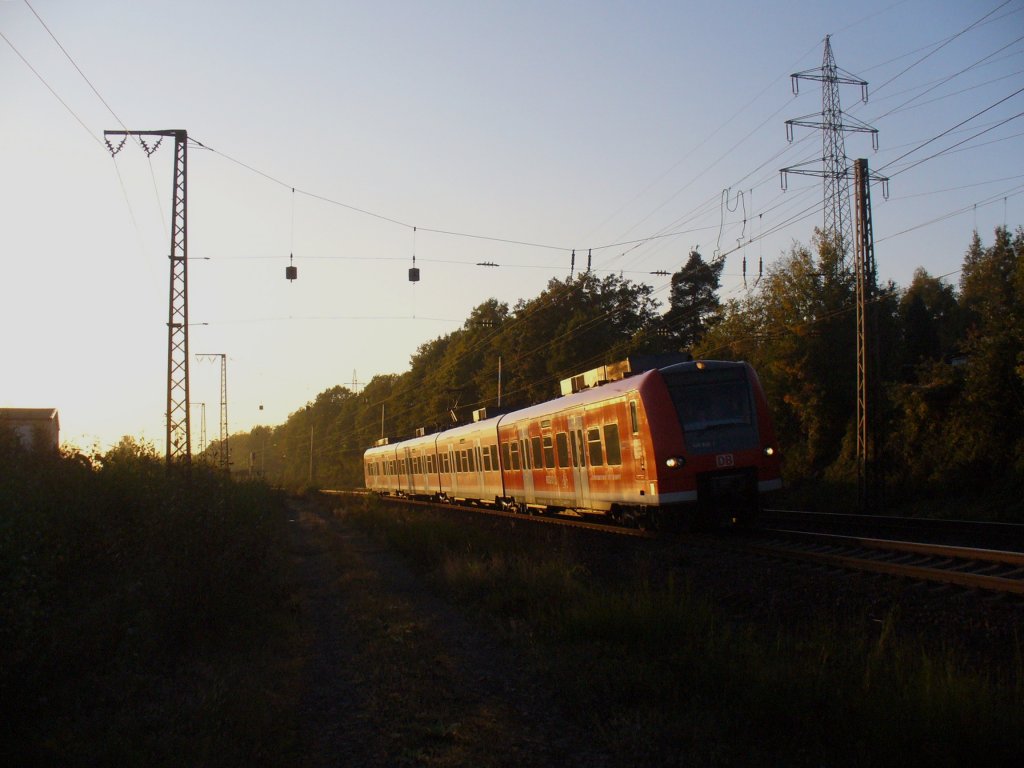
<point x="478" y="464"/>
<point x="639" y="459"/>
<point x="453" y="477"/>
<point x="407" y="470"/>
<point x="529" y="495"/>
<point x="578" y="458"/>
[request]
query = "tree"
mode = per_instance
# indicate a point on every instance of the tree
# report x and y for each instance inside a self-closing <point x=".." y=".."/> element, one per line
<point x="693" y="301"/>
<point x="797" y="329"/>
<point x="929" y="313"/>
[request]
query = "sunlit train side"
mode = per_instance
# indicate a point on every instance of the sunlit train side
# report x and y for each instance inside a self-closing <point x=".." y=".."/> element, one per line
<point x="690" y="441"/>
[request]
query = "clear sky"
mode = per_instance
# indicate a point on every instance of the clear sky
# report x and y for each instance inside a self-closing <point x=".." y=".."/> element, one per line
<point x="558" y="124"/>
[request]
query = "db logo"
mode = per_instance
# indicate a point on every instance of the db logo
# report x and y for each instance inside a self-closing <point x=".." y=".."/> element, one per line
<point x="724" y="460"/>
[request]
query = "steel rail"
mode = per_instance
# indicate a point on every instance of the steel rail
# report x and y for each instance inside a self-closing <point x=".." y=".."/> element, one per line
<point x="955" y="569"/>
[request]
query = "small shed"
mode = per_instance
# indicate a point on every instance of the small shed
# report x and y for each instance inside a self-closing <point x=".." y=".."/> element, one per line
<point x="33" y="426"/>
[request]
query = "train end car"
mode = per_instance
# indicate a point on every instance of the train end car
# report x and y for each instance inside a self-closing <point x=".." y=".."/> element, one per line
<point x="716" y="452"/>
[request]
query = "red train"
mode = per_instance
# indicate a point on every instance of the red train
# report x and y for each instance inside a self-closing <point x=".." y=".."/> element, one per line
<point x="689" y="442"/>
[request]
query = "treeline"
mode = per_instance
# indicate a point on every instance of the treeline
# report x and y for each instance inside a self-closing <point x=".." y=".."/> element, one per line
<point x="946" y="364"/>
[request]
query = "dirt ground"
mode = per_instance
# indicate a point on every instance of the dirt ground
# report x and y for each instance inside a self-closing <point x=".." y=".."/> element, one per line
<point x="395" y="676"/>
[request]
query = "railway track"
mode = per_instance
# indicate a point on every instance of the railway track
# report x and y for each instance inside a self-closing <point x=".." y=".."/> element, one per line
<point x="967" y="567"/>
<point x="986" y="535"/>
<point x="977" y="568"/>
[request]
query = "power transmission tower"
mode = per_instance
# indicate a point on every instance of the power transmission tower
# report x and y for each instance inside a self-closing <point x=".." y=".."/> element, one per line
<point x="225" y="458"/>
<point x="834" y="168"/>
<point x="179" y="433"/>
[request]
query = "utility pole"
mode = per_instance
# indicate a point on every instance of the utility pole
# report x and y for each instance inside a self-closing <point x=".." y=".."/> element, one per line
<point x="869" y="497"/>
<point x="179" y="433"/>
<point x="225" y="458"/>
<point x="834" y="124"/>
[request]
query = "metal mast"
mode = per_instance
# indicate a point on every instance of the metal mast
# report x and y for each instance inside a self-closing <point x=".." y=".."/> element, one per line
<point x="834" y="168"/>
<point x="179" y="433"/>
<point x="868" y="481"/>
<point x="225" y="457"/>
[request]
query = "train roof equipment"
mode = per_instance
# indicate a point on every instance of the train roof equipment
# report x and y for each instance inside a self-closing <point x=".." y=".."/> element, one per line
<point x="632" y="365"/>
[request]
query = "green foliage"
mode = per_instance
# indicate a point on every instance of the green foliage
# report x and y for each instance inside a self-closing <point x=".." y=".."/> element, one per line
<point x="694" y="306"/>
<point x="120" y="583"/>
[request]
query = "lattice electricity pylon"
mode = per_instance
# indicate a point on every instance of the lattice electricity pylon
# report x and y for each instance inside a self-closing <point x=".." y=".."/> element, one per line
<point x="179" y="432"/>
<point x="225" y="457"/>
<point x="834" y="166"/>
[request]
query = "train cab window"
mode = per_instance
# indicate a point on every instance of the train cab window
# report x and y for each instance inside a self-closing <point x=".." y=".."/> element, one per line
<point x="634" y="417"/>
<point x="514" y="463"/>
<point x="538" y="455"/>
<point x="594" y="447"/>
<point x="494" y="457"/>
<point x="549" y="452"/>
<point x="612" y="448"/>
<point x="562" y="447"/>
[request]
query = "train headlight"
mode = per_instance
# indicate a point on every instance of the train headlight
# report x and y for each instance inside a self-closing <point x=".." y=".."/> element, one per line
<point x="675" y="462"/>
<point x="769" y="451"/>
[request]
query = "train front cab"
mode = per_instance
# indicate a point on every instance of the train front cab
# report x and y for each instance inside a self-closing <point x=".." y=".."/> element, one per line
<point x="729" y="455"/>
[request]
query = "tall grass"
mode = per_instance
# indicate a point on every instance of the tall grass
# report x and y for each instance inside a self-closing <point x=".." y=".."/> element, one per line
<point x="132" y="601"/>
<point x="664" y="677"/>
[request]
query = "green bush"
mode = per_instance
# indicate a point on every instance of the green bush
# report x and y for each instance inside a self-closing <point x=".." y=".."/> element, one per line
<point x="123" y="587"/>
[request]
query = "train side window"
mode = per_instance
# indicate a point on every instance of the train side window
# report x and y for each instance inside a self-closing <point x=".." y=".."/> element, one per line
<point x="506" y="455"/>
<point x="612" y="447"/>
<point x="486" y="464"/>
<point x="594" y="447"/>
<point x="549" y="452"/>
<point x="470" y="462"/>
<point x="538" y="455"/>
<point x="447" y="463"/>
<point x="515" y="455"/>
<point x="479" y="460"/>
<point x="562" y="447"/>
<point x="634" y="417"/>
<point x="494" y="457"/>
<point x="525" y="446"/>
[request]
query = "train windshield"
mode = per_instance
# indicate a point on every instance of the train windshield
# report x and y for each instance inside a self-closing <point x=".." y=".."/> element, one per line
<point x="715" y="409"/>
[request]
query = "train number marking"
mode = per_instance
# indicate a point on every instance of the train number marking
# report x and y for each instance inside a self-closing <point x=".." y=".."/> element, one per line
<point x="725" y="460"/>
